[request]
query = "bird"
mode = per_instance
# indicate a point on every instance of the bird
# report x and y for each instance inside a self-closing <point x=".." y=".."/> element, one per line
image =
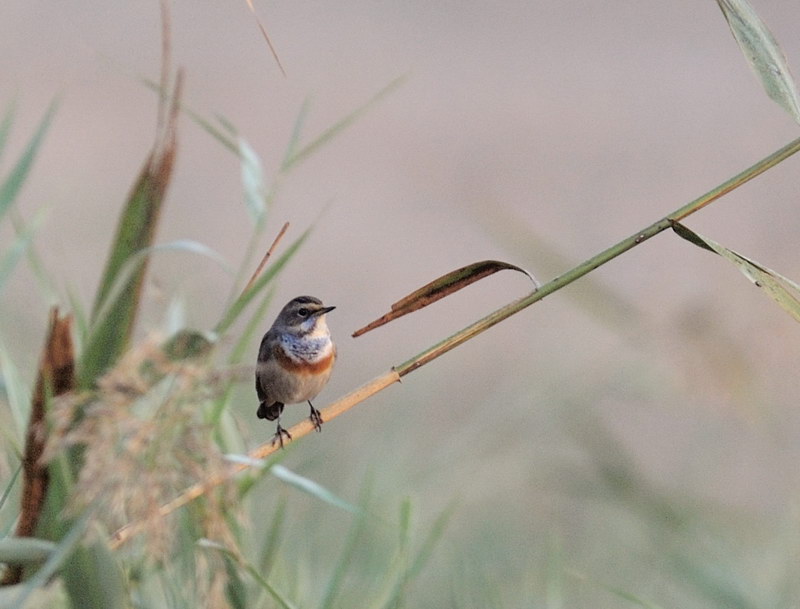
<point x="295" y="360"/>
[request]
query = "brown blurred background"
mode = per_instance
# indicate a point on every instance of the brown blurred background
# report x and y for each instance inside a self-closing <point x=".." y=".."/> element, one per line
<point x="533" y="132"/>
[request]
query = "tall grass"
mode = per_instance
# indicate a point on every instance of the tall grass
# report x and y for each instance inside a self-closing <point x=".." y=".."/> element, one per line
<point x="139" y="437"/>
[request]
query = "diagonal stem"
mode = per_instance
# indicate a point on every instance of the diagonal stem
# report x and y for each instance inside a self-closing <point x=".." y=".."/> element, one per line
<point x="360" y="394"/>
<point x="600" y="259"/>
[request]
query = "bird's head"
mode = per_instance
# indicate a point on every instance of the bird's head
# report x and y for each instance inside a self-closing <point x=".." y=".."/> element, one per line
<point x="304" y="316"/>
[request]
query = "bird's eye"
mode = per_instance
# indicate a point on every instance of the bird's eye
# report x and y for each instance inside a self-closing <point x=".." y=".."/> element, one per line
<point x="303" y="312"/>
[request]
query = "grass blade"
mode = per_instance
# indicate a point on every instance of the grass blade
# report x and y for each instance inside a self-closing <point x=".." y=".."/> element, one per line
<point x="21" y="244"/>
<point x="18" y="550"/>
<point x="280" y="598"/>
<point x="13" y="183"/>
<point x="133" y="264"/>
<point x="81" y="319"/>
<point x="63" y="550"/>
<point x="5" y="126"/>
<point x="716" y="582"/>
<point x="255" y="190"/>
<point x="297" y="130"/>
<point x="312" y="488"/>
<point x="411" y="569"/>
<point x="238" y="353"/>
<point x="10" y="486"/>
<point x="273" y="538"/>
<point x="235" y="589"/>
<point x="394" y="574"/>
<point x="206" y="125"/>
<point x="781" y="289"/>
<point x="309" y="149"/>
<point x="762" y="52"/>
<point x="434" y="535"/>
<point x="353" y="537"/>
<point x="19" y="396"/>
<point x="618" y="592"/>
<point x="93" y="578"/>
<point x="233" y="312"/>
<point x="35" y="263"/>
<point x="135" y="232"/>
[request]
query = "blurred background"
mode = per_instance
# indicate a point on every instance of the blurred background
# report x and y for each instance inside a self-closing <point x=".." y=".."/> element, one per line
<point x="633" y="434"/>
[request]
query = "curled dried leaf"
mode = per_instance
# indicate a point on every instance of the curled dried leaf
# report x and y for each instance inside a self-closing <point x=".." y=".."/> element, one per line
<point x="439" y="288"/>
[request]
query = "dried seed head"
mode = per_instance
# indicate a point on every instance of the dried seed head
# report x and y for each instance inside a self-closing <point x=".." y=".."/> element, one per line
<point x="143" y="439"/>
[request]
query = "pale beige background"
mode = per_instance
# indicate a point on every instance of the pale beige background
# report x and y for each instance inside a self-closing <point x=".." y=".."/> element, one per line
<point x="524" y="130"/>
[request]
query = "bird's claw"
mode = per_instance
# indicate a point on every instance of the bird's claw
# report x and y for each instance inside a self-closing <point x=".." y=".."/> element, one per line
<point x="279" y="433"/>
<point x="316" y="419"/>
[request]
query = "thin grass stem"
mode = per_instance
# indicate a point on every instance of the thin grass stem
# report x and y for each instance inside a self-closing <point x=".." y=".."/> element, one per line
<point x="394" y="375"/>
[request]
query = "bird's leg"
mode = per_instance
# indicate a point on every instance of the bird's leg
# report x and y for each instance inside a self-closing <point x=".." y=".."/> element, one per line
<point x="315" y="416"/>
<point x="279" y="433"/>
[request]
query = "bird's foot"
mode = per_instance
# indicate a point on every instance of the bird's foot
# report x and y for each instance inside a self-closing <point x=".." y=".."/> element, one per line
<point x="316" y="417"/>
<point x="279" y="433"/>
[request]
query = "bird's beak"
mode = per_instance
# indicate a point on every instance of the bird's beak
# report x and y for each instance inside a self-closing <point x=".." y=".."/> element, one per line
<point x="323" y="310"/>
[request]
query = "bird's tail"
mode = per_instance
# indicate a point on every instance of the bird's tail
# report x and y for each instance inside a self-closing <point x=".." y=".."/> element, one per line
<point x="270" y="412"/>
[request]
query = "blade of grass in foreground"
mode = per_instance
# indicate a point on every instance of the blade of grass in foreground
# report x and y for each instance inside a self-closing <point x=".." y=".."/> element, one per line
<point x="351" y="543"/>
<point x="312" y="488"/>
<point x="273" y="538"/>
<point x="16" y="550"/>
<point x="136" y="231"/>
<point x="716" y="581"/>
<point x="408" y="570"/>
<point x="13" y="183"/>
<point x="235" y="589"/>
<point x="278" y="596"/>
<point x="63" y="550"/>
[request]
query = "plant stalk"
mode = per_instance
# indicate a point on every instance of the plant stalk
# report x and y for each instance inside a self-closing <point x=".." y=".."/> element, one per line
<point x="600" y="259"/>
<point x="394" y="375"/>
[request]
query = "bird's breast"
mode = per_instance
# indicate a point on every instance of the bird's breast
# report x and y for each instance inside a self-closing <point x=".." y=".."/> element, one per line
<point x="306" y="355"/>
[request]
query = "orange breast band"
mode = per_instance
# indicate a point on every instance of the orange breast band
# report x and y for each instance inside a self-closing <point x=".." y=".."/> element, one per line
<point x="302" y="366"/>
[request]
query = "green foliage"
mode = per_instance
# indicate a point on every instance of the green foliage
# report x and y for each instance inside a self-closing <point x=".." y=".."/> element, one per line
<point x="16" y="597"/>
<point x="92" y="574"/>
<point x="11" y="256"/>
<point x="25" y="550"/>
<point x="111" y="332"/>
<point x="763" y="53"/>
<point x="160" y="410"/>
<point x="12" y="184"/>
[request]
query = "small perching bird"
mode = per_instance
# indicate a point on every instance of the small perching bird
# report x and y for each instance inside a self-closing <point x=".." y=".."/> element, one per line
<point x="294" y="361"/>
